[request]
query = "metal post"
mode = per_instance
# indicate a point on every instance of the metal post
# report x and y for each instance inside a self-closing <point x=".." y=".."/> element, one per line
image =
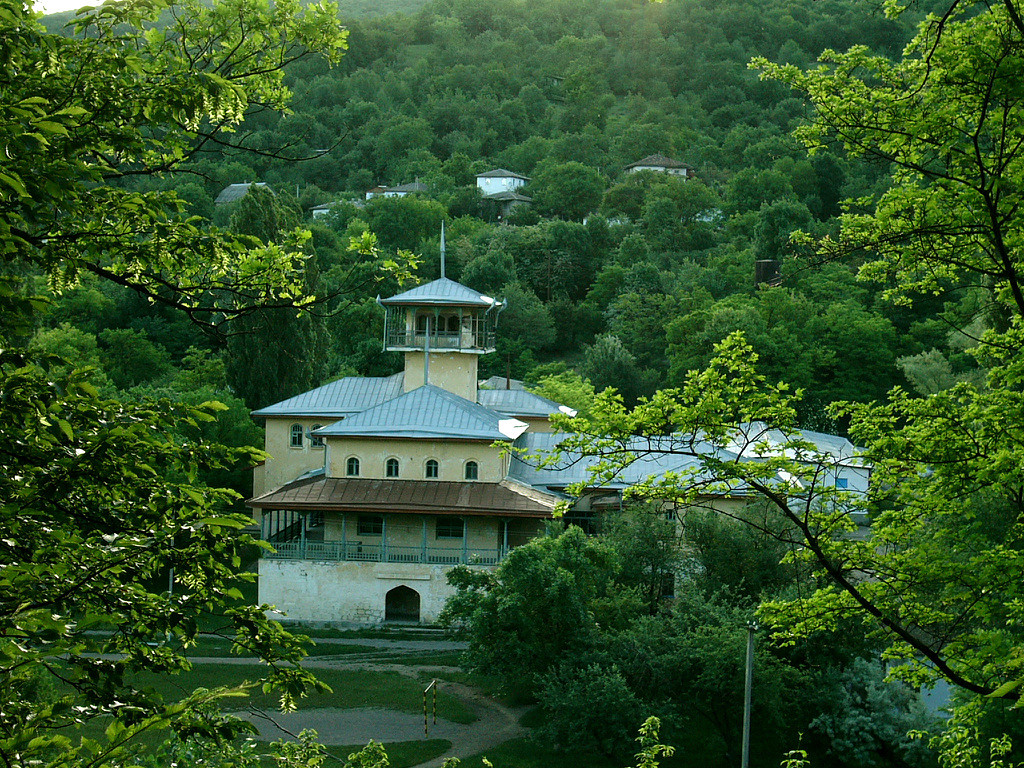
<point x="747" y="688"/>
<point x="442" y="248"/>
<point x="433" y="684"/>
<point x="426" y="355"/>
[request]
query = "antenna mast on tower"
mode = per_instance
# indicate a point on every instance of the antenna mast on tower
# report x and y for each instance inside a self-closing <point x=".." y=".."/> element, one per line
<point x="442" y="248"/>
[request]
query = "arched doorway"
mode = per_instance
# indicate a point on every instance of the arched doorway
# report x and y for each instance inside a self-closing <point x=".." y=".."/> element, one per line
<point x="402" y="604"/>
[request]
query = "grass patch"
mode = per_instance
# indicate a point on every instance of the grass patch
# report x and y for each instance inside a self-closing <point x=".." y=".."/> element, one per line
<point x="401" y="754"/>
<point x="525" y="753"/>
<point x="490" y="685"/>
<point x="533" y="718"/>
<point x="439" y="658"/>
<point x="216" y="647"/>
<point x="366" y="633"/>
<point x="351" y="689"/>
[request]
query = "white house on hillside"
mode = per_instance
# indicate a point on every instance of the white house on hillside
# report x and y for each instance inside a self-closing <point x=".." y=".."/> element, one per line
<point x="661" y="164"/>
<point x="400" y="191"/>
<point x="499" y="180"/>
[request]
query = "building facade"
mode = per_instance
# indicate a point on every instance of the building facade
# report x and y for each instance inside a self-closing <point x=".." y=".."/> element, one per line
<point x="376" y="487"/>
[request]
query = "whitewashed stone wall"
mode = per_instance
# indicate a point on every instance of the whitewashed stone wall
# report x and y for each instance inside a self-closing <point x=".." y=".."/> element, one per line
<point x="348" y="592"/>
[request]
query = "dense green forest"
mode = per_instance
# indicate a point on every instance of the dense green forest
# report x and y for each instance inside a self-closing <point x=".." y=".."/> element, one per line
<point x="629" y="280"/>
<point x="611" y="279"/>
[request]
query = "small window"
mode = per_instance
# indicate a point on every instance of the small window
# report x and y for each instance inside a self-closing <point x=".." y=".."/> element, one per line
<point x="432" y="469"/>
<point x="472" y="470"/>
<point x="841" y="482"/>
<point x="450" y="528"/>
<point x="315" y="441"/>
<point x="352" y="467"/>
<point x="370" y="525"/>
<point x="391" y="468"/>
<point x="296" y="436"/>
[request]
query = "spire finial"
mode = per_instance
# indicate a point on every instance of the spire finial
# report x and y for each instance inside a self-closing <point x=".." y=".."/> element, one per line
<point x="442" y="248"/>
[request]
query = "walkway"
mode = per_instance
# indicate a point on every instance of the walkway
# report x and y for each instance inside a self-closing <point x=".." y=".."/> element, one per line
<point x="495" y="724"/>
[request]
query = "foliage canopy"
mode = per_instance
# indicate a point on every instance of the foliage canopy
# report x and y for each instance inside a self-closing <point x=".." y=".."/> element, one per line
<point x="99" y="499"/>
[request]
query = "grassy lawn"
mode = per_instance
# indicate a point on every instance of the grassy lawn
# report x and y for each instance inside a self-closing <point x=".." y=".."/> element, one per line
<point x="401" y="754"/>
<point x="211" y="646"/>
<point x="365" y="633"/>
<point x="439" y="658"/>
<point x="524" y="753"/>
<point x="351" y="689"/>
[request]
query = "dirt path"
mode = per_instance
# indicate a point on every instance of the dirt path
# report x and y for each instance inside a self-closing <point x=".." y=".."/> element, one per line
<point x="495" y="724"/>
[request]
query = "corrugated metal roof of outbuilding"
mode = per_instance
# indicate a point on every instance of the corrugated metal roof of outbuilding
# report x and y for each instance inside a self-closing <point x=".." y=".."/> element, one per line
<point x="517" y="402"/>
<point x="233" y="192"/>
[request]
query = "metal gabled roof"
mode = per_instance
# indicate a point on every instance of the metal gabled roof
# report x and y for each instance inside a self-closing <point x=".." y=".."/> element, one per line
<point x="508" y="195"/>
<point x="519" y="402"/>
<point x="233" y="192"/>
<point x="658" y="160"/>
<point x="655" y="459"/>
<point x="501" y="173"/>
<point x="412" y="186"/>
<point x="339" y="398"/>
<point x="442" y="292"/>
<point x="430" y="413"/>
<point x="501" y="382"/>
<point x="756" y="439"/>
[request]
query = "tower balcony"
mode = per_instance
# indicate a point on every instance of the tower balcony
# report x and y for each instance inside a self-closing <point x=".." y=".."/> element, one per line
<point x="478" y="340"/>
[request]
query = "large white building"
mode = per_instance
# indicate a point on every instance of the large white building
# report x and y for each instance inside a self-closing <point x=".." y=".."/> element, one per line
<point x="377" y="486"/>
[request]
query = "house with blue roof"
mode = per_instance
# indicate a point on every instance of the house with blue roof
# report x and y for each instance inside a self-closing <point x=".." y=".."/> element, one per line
<point x="376" y="487"/>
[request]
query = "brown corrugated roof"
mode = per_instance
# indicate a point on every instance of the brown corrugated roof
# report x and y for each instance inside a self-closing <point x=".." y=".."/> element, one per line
<point x="344" y="494"/>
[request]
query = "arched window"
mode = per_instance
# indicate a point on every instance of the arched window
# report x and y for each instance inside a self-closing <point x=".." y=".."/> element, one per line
<point x="296" y="436"/>
<point x="432" y="468"/>
<point x="472" y="470"/>
<point x="352" y="467"/>
<point x="314" y="441"/>
<point x="391" y="468"/>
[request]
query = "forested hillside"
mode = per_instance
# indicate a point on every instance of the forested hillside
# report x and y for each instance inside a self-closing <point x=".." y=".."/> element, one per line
<point x="611" y="280"/>
<point x="629" y="280"/>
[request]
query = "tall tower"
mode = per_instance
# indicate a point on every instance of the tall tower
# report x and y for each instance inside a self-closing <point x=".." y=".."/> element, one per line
<point x="442" y="327"/>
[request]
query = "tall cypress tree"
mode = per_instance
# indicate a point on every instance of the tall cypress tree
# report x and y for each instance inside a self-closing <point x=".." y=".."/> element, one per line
<point x="276" y="352"/>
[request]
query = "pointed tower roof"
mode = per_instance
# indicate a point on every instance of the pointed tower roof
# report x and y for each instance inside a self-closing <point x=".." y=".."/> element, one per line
<point x="430" y="413"/>
<point x="442" y="292"/>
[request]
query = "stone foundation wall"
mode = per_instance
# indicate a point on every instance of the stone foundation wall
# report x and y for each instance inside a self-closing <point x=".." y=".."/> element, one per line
<point x="348" y="592"/>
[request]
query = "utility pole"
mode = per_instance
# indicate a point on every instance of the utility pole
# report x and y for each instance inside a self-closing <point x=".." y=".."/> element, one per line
<point x="747" y="688"/>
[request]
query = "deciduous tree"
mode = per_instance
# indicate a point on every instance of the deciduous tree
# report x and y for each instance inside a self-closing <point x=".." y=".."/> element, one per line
<point x="98" y="498"/>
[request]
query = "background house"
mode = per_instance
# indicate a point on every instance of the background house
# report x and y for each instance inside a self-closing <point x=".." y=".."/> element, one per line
<point x="400" y="191"/>
<point x="661" y="164"/>
<point x="499" y="180"/>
